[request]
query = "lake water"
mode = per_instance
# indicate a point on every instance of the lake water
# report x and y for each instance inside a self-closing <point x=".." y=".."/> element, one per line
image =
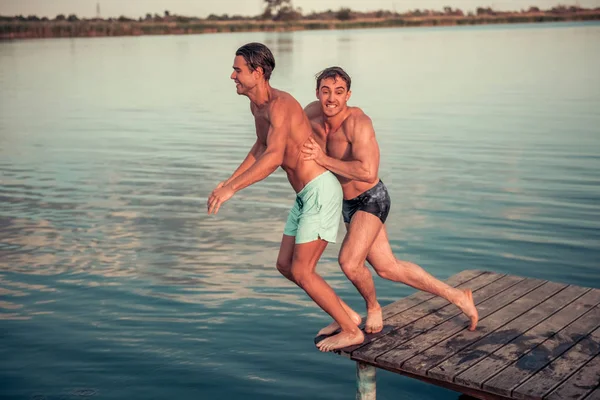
<point x="114" y="283"/>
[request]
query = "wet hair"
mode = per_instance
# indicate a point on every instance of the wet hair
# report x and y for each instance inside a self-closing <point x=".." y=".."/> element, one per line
<point x="334" y="73"/>
<point x="258" y="55"/>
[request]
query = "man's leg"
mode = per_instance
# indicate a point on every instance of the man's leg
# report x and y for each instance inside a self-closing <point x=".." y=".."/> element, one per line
<point x="361" y="234"/>
<point x="286" y="254"/>
<point x="388" y="267"/>
<point x="284" y="266"/>
<point x="304" y="262"/>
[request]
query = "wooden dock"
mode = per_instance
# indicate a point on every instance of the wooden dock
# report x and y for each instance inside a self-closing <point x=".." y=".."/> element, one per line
<point x="535" y="339"/>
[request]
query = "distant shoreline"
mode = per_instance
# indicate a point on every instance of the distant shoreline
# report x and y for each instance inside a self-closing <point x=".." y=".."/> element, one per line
<point x="28" y="29"/>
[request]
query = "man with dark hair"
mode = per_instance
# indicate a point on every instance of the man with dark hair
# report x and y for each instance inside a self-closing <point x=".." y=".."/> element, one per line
<point x="281" y="129"/>
<point x="352" y="154"/>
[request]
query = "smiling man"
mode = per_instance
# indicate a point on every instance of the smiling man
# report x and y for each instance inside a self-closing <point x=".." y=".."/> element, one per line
<point x="281" y="130"/>
<point x="352" y="154"/>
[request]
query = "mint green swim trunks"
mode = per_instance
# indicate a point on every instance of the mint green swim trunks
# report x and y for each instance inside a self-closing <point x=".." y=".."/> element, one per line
<point x="317" y="211"/>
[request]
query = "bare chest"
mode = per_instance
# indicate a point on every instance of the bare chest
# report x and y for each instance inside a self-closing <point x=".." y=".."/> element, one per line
<point x="338" y="145"/>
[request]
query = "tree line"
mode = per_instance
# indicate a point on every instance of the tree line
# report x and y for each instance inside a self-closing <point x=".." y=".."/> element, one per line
<point x="283" y="10"/>
<point x="277" y="15"/>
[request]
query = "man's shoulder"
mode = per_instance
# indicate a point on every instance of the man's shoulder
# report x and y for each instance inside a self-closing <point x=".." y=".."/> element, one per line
<point x="313" y="110"/>
<point x="359" y="115"/>
<point x="283" y="101"/>
<point x="357" y="118"/>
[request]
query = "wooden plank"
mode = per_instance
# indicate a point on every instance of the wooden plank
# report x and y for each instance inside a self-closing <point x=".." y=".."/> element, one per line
<point x="467" y="277"/>
<point x="560" y="369"/>
<point x="473" y="279"/>
<point x="428" y="359"/>
<point x="412" y="314"/>
<point x="595" y="395"/>
<point x="422" y="318"/>
<point x="474" y="393"/>
<point x="500" y="359"/>
<point x="438" y="303"/>
<point x="522" y="369"/>
<point x="420" y="297"/>
<point x="535" y="340"/>
<point x="398" y="355"/>
<point x="580" y="384"/>
<point x="475" y="352"/>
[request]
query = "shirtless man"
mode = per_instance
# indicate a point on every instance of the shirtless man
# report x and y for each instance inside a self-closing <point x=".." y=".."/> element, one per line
<point x="352" y="154"/>
<point x="281" y="129"/>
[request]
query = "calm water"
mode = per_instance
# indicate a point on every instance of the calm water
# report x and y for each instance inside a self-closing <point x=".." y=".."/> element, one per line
<point x="114" y="282"/>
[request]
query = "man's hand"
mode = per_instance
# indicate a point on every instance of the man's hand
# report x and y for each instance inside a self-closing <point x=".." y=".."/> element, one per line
<point x="312" y="151"/>
<point x="218" y="196"/>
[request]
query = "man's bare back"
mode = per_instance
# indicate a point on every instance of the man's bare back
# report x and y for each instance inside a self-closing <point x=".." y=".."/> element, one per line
<point x="282" y="108"/>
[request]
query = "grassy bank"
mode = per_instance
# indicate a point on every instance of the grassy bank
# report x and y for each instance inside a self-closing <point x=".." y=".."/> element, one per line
<point x="18" y="29"/>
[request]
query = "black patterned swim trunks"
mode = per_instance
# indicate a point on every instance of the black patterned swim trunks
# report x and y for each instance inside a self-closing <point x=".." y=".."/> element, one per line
<point x="375" y="201"/>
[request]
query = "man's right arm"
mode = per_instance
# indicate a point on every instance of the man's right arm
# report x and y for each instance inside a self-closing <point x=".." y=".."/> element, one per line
<point x="364" y="165"/>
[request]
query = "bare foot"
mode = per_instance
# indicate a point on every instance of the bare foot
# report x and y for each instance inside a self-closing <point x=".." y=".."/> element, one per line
<point x="332" y="327"/>
<point x="467" y="306"/>
<point x="341" y="340"/>
<point x="374" y="322"/>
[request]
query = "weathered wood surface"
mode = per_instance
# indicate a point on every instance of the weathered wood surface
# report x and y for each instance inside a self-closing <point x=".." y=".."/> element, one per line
<point x="535" y="339"/>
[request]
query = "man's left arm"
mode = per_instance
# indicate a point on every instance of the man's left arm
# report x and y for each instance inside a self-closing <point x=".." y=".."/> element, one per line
<point x="264" y="166"/>
<point x="364" y="165"/>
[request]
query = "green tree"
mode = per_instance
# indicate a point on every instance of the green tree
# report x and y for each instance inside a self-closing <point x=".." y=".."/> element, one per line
<point x="273" y="7"/>
<point x="344" y="14"/>
<point x="267" y="14"/>
<point x="288" y="13"/>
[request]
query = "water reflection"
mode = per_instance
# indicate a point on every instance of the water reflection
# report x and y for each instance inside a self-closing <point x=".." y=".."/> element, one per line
<point x="346" y="51"/>
<point x="282" y="46"/>
<point x="147" y="230"/>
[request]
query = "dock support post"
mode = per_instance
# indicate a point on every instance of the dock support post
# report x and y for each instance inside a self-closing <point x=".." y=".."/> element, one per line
<point x="365" y="381"/>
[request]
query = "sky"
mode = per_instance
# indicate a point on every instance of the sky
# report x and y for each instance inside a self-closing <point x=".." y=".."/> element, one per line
<point x="203" y="8"/>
